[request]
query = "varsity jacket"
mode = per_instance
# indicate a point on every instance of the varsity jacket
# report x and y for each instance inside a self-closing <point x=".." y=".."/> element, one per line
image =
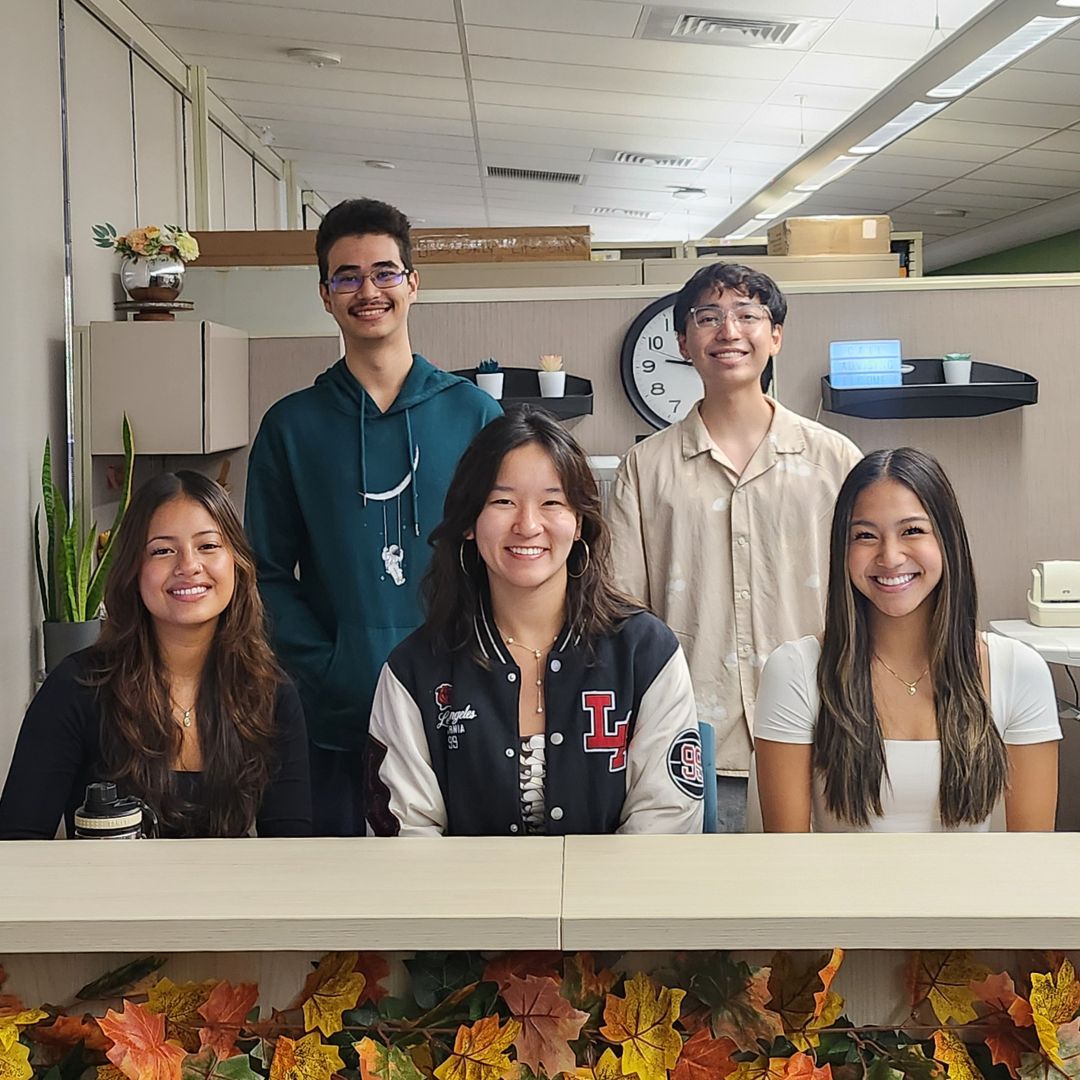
<point x="623" y="749"/>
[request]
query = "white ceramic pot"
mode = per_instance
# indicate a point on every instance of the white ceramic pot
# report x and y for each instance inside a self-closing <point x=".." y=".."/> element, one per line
<point x="552" y="383"/>
<point x="491" y="382"/>
<point x="956" y="368"/>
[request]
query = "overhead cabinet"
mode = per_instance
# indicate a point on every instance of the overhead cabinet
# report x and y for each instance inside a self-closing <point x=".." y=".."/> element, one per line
<point x="183" y="385"/>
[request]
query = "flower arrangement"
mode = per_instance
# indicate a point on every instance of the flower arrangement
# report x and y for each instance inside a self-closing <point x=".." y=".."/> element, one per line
<point x="522" y="1016"/>
<point x="488" y="367"/>
<point x="149" y="242"/>
<point x="551" y="362"/>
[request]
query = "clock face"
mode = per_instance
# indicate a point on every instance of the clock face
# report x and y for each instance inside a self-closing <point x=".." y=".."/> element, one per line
<point x="661" y="385"/>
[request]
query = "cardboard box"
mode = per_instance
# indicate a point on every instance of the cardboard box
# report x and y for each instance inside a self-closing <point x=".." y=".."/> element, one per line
<point x="297" y="248"/>
<point x="833" y="235"/>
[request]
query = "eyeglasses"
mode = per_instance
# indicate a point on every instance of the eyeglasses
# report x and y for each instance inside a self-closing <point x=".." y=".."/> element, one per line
<point x="350" y="281"/>
<point x="745" y="316"/>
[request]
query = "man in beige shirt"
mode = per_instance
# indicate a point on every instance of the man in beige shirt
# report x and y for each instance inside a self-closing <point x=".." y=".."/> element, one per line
<point x="721" y="521"/>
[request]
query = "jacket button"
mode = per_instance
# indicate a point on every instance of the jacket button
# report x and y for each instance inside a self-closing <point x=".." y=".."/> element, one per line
<point x="511" y="676"/>
<point x="555" y="738"/>
<point x="513" y="828"/>
<point x="556" y="813"/>
<point x="556" y="665"/>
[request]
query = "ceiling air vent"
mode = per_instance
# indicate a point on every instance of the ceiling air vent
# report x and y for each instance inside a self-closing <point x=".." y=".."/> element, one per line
<point x="658" y="161"/>
<point x="704" y="28"/>
<point x="618" y="212"/>
<point x="543" y="176"/>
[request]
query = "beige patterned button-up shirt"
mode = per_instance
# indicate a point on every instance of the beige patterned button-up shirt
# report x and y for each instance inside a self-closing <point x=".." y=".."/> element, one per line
<point x="734" y="564"/>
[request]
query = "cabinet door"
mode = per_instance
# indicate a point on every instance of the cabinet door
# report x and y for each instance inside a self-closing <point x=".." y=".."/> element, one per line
<point x="153" y="371"/>
<point x="226" y="378"/>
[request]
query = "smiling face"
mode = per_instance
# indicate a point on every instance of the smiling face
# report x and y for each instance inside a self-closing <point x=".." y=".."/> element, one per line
<point x="894" y="558"/>
<point x="729" y="356"/>
<point x="188" y="574"/>
<point x="526" y="529"/>
<point x="371" y="314"/>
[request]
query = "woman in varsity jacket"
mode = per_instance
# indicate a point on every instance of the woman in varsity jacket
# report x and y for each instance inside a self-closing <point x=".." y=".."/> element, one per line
<point x="536" y="699"/>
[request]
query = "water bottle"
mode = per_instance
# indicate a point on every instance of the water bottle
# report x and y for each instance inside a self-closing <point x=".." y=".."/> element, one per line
<point x="107" y="816"/>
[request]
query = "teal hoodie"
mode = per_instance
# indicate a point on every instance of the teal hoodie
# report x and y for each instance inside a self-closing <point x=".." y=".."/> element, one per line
<point x="333" y="484"/>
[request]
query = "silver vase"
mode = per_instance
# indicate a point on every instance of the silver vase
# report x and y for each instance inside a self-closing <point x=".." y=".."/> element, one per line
<point x="159" y="277"/>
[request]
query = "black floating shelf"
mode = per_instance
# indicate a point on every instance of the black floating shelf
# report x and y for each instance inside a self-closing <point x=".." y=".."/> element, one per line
<point x="522" y="387"/>
<point x="925" y="393"/>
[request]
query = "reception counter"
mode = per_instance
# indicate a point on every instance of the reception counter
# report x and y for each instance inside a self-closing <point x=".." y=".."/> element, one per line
<point x="986" y="891"/>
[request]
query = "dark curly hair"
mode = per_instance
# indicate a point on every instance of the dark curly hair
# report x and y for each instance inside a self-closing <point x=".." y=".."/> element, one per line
<point x="752" y="283"/>
<point x="362" y="217"/>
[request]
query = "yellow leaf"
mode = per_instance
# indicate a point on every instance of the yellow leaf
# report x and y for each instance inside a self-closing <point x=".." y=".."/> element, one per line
<point x="308" y="1058"/>
<point x="642" y="1023"/>
<point x="607" y="1068"/>
<point x="480" y="1051"/>
<point x="15" y="1062"/>
<point x="761" y="1068"/>
<point x="944" y="979"/>
<point x="336" y="986"/>
<point x="1056" y="999"/>
<point x="950" y="1050"/>
<point x="180" y="1004"/>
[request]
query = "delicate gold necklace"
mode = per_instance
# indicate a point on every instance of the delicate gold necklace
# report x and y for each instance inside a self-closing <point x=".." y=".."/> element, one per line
<point x="912" y="687"/>
<point x="538" y="654"/>
<point x="186" y="718"/>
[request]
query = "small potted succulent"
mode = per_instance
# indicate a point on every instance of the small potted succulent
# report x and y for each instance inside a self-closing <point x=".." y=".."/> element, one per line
<point x="551" y="375"/>
<point x="489" y="377"/>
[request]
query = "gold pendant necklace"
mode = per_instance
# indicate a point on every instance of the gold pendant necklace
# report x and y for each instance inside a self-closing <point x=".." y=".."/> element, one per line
<point x="912" y="687"/>
<point x="538" y="654"/>
<point x="185" y="719"/>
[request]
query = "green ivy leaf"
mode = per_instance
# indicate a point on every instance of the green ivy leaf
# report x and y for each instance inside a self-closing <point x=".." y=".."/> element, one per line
<point x="436" y="975"/>
<point x="208" y="1066"/>
<point x="388" y="1062"/>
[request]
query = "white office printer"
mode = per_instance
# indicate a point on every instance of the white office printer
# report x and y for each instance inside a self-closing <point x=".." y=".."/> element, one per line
<point x="1054" y="599"/>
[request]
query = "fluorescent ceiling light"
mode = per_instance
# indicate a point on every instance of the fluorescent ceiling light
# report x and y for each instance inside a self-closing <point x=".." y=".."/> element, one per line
<point x="752" y="226"/>
<point x="783" y="205"/>
<point x="1068" y="3"/>
<point x="835" y="169"/>
<point x="899" y="125"/>
<point x="1002" y="54"/>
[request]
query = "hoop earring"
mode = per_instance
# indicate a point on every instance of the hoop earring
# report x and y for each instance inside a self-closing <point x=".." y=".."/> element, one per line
<point x="461" y="558"/>
<point x="588" y="558"/>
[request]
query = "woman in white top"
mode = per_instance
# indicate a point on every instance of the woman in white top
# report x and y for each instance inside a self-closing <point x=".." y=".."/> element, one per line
<point x="903" y="718"/>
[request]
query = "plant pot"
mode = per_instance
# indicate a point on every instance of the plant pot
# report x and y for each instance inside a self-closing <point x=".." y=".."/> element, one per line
<point x="64" y="638"/>
<point x="552" y="383"/>
<point x="956" y="367"/>
<point x="491" y="382"/>
<point x="159" y="278"/>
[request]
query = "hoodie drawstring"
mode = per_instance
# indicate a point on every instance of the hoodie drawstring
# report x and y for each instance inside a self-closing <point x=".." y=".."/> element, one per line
<point x="363" y="454"/>
<point x="412" y="474"/>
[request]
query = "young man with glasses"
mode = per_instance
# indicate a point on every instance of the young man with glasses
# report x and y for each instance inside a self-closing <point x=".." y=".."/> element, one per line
<point x="721" y="522"/>
<point x="346" y="480"/>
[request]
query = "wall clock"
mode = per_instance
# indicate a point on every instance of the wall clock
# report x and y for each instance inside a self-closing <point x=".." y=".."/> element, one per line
<point x="661" y="385"/>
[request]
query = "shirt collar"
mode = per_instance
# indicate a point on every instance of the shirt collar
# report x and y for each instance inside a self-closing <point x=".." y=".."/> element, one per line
<point x="785" y="434"/>
<point x="493" y="648"/>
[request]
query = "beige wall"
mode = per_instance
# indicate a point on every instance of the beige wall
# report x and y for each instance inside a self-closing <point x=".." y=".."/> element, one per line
<point x="32" y="329"/>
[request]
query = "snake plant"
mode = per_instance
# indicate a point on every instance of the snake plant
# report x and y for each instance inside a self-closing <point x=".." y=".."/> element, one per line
<point x="70" y="577"/>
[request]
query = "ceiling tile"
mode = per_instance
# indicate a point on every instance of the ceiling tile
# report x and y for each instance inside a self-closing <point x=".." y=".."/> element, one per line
<point x="1016" y="174"/>
<point x="1008" y="135"/>
<point x="1025" y="190"/>
<point x="1033" y="87"/>
<point x="598" y="17"/>
<point x="975" y="153"/>
<point x="852" y="37"/>
<point x="1059" y="54"/>
<point x="1068" y="141"/>
<point x="833" y="70"/>
<point x="996" y="111"/>
<point x="339" y="99"/>
<point x="950" y="196"/>
<point x="1048" y="160"/>
<point x="416" y="128"/>
<point x="437" y="10"/>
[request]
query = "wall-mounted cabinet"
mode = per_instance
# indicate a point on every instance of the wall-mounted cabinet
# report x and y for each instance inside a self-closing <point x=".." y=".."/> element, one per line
<point x="184" y="386"/>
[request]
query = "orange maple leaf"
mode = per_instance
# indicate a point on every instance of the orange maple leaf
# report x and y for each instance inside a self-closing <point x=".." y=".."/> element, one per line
<point x="582" y="983"/>
<point x="541" y="964"/>
<point x="803" y="1067"/>
<point x="548" y="1023"/>
<point x="308" y="1058"/>
<point x="374" y="967"/>
<point x="225" y="1011"/>
<point x="944" y="978"/>
<point x="705" y="1058"/>
<point x="1006" y="1042"/>
<point x="139" y="1047"/>
<point x="480" y="1051"/>
<point x="69" y="1031"/>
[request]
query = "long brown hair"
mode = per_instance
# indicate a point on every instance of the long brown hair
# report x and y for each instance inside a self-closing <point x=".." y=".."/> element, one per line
<point x="456" y="581"/>
<point x="140" y="739"/>
<point x="849" y="749"/>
